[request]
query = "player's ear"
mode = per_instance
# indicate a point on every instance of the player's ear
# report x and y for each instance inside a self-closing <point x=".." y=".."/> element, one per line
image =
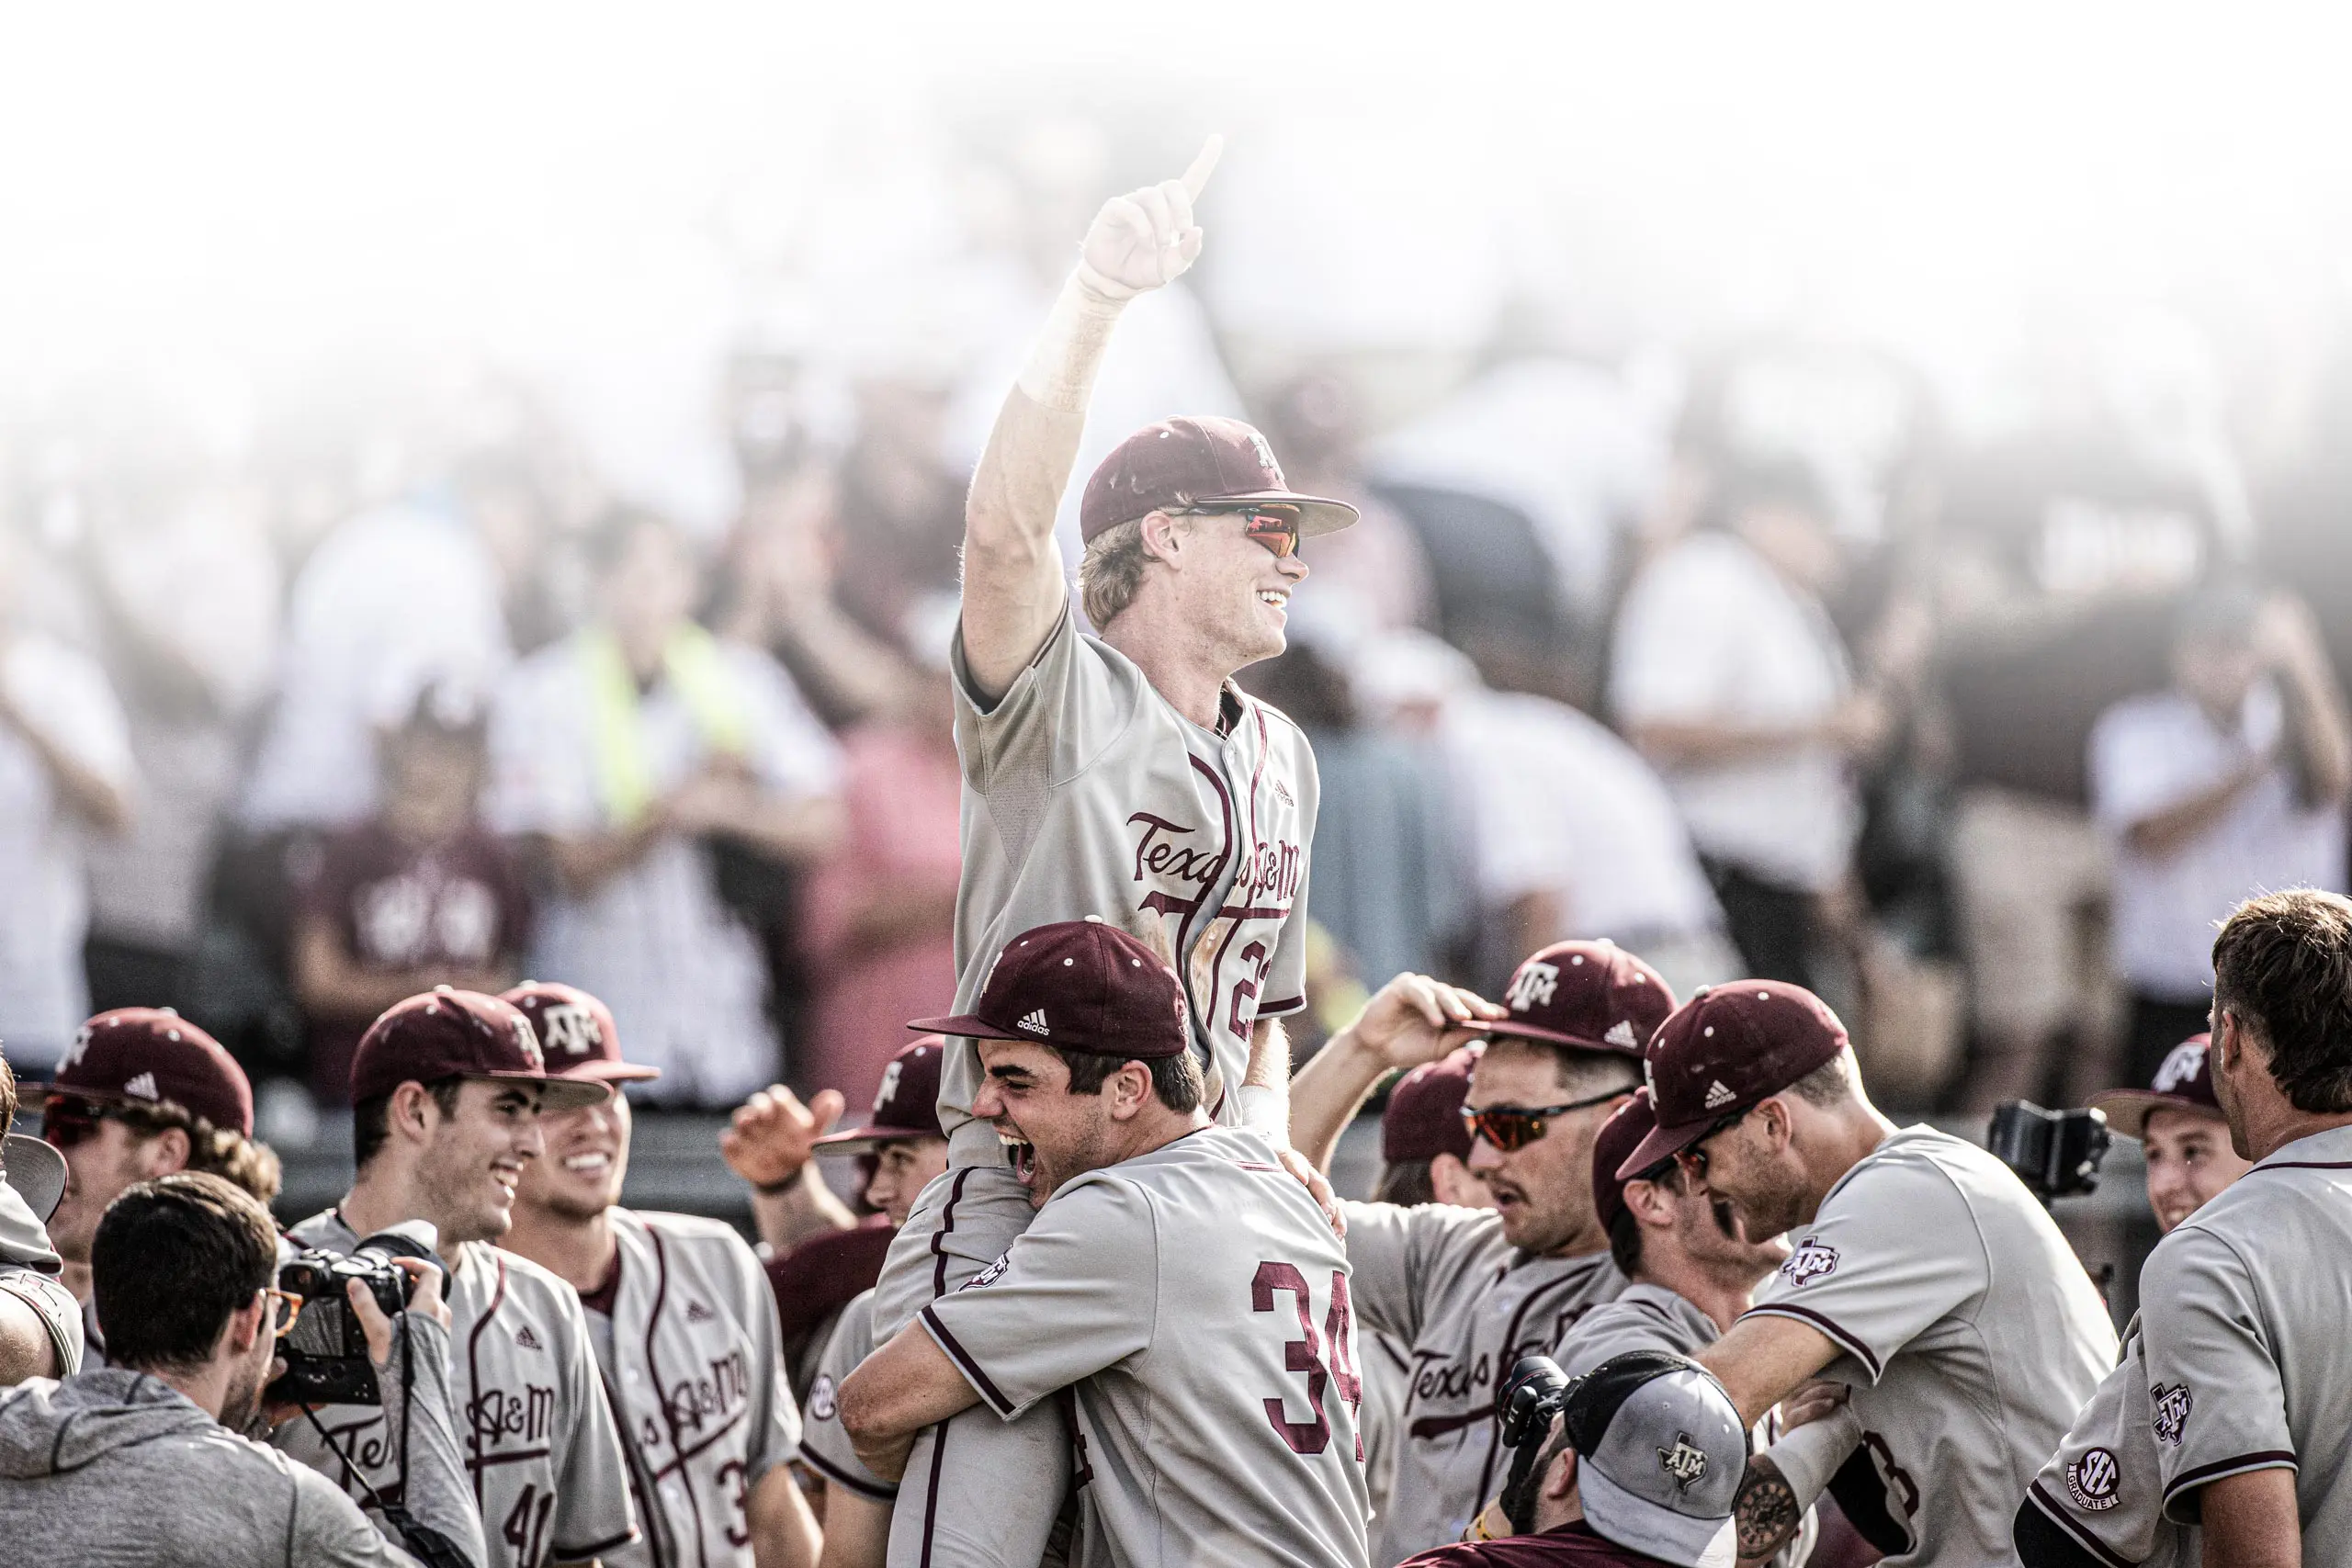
<point x="1650" y="1203"/>
<point x="1129" y="1089"/>
<point x="1560" y="1481"/>
<point x="1163" y="536"/>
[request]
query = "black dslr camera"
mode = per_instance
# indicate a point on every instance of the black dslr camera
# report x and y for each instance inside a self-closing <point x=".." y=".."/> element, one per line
<point x="1529" y="1397"/>
<point x="2055" y="1153"/>
<point x="326" y="1350"/>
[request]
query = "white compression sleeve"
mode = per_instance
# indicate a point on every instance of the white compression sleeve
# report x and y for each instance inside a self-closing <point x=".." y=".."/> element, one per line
<point x="1062" y="363"/>
<point x="1809" y="1456"/>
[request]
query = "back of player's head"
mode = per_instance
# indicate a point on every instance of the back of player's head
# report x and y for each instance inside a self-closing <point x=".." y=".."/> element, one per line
<point x="2283" y="966"/>
<point x="172" y="1259"/>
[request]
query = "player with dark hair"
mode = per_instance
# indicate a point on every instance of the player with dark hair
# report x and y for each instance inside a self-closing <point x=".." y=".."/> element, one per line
<point x="447" y="1091"/>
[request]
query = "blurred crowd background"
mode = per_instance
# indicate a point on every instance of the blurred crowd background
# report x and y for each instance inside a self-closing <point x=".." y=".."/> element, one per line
<point x="484" y="505"/>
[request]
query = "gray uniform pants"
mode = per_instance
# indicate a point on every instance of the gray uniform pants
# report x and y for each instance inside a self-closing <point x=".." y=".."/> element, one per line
<point x="978" y="1491"/>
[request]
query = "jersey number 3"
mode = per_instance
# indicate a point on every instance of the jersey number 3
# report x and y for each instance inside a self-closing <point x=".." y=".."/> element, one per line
<point x="1306" y="1355"/>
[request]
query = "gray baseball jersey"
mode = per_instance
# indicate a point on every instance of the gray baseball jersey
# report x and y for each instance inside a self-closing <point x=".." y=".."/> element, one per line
<point x="2104" y="1487"/>
<point x="691" y="1363"/>
<point x="1651" y="1317"/>
<point x="1387" y="1372"/>
<point x="1196" y="1302"/>
<point x="2249" y="1368"/>
<point x="1086" y="794"/>
<point x="825" y="1445"/>
<point x="1445" y="1283"/>
<point x="550" y="1478"/>
<point x="1969" y="1332"/>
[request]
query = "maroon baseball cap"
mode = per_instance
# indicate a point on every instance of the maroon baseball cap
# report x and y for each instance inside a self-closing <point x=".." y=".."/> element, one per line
<point x="1592" y="995"/>
<point x="1187" y="462"/>
<point x="143" y="1056"/>
<point x="449" y="1034"/>
<point x="1611" y="1148"/>
<point x="1080" y="986"/>
<point x="576" y="1033"/>
<point x="1723" y="1051"/>
<point x="2184" y="1081"/>
<point x="905" y="1106"/>
<point x="1424" y="1115"/>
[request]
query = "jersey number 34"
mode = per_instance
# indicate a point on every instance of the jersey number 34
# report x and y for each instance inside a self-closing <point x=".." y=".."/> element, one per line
<point x="1306" y="1355"/>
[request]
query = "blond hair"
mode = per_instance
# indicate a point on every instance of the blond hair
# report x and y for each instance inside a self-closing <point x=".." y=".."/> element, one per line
<point x="1111" y="570"/>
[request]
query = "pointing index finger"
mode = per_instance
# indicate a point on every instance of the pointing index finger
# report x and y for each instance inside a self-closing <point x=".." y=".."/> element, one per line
<point x="1197" y="177"/>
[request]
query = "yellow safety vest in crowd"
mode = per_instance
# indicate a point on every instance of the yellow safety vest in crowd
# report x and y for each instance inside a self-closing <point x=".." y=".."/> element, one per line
<point x="695" y="669"/>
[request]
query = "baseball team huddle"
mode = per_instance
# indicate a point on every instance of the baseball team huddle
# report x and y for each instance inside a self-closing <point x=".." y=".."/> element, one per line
<point x="1649" y="1278"/>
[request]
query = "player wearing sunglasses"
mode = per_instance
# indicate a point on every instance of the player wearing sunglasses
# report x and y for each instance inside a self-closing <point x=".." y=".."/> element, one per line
<point x="1116" y="774"/>
<point x="1470" y="1291"/>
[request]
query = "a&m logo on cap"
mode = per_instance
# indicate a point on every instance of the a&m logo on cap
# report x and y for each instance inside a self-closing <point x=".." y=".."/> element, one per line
<point x="889" y="1090"/>
<point x="2179" y="1067"/>
<point x="527" y="1042"/>
<point x="1686" y="1462"/>
<point x="569" y="1029"/>
<point x="1532" y="987"/>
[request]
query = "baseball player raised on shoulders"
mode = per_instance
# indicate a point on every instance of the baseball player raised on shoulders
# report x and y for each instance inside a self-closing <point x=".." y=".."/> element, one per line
<point x="679" y="1315"/>
<point x="1121" y="775"/>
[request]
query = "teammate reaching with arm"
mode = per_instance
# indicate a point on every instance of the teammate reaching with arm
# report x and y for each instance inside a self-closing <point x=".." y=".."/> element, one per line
<point x="1119" y="775"/>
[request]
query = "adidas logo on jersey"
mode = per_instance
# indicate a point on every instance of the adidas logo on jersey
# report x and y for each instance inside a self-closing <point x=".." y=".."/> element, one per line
<point x="697" y="1312"/>
<point x="528" y="1339"/>
<point x="1718" y="1096"/>
<point x="1035" y="1023"/>
<point x="141" y="1087"/>
<point x="1621" y="1034"/>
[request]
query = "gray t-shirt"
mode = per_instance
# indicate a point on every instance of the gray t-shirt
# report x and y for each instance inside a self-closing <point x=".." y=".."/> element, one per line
<point x="691" y="1362"/>
<point x="538" y="1437"/>
<point x="1969" y="1332"/>
<point x="2104" y="1486"/>
<point x="1195" y="1303"/>
<point x="1469" y="1304"/>
<point x="2243" y="1308"/>
<point x="1085" y="793"/>
<point x="825" y="1446"/>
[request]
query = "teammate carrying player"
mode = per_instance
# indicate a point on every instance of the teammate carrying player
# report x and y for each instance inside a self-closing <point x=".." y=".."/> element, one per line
<point x="1121" y="775"/>
<point x="1178" y="1282"/>
<point x="681" y="1317"/>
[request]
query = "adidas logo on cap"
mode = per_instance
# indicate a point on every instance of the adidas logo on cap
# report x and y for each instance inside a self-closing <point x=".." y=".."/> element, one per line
<point x="1621" y="1034"/>
<point x="1718" y="1096"/>
<point x="1035" y="1023"/>
<point x="142" y="1087"/>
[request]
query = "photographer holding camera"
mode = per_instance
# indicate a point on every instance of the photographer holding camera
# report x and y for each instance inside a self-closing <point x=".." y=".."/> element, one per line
<point x="447" y="1091"/>
<point x="183" y="1268"/>
<point x="1635" y="1464"/>
<point x="1925" y="1277"/>
<point x="2100" y="1500"/>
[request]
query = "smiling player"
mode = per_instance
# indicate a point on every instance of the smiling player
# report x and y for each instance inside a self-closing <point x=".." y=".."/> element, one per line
<point x="1121" y="775"/>
<point x="447" y="1091"/>
<point x="679" y="1312"/>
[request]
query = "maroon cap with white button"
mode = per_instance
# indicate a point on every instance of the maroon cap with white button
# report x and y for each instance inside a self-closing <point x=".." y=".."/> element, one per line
<point x="1424" y="1115"/>
<point x="1208" y="462"/>
<point x="1722" y="1052"/>
<point x="1592" y="995"/>
<point x="577" y="1037"/>
<point x="1611" y="1148"/>
<point x="448" y="1034"/>
<point x="145" y="1055"/>
<point x="906" y="1105"/>
<point x="1080" y="986"/>
<point x="2184" y="1081"/>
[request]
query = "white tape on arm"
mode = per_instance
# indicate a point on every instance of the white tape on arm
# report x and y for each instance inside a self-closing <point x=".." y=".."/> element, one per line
<point x="1265" y="1108"/>
<point x="1063" y="362"/>
<point x="1809" y="1456"/>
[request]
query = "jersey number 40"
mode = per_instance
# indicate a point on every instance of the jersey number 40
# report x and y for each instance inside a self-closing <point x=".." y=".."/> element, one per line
<point x="1306" y="1355"/>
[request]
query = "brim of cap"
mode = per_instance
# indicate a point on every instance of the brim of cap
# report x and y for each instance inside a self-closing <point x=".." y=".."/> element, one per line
<point x="2127" y="1110"/>
<point x="865" y="1140"/>
<point x="965" y="1026"/>
<point x="1640" y="1525"/>
<point x="610" y="1072"/>
<point x="1662" y="1143"/>
<point x="1556" y="1037"/>
<point x="36" y="1171"/>
<point x="555" y="1093"/>
<point x="1317" y="513"/>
